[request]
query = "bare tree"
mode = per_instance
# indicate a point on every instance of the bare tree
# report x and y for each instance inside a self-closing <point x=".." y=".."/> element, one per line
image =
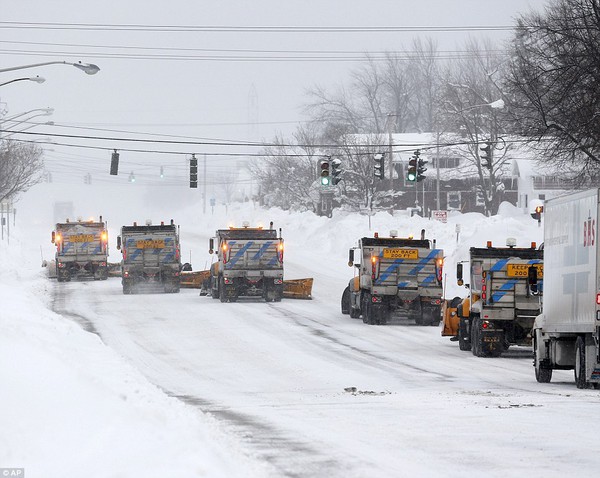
<point x="21" y="167"/>
<point x="554" y="84"/>
<point x="471" y="107"/>
<point x="287" y="173"/>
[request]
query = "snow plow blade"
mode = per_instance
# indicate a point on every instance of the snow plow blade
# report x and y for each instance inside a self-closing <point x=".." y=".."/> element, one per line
<point x="451" y="319"/>
<point x="194" y="280"/>
<point x="298" y="288"/>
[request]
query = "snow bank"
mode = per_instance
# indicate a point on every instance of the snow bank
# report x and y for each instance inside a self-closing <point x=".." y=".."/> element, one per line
<point x="72" y="408"/>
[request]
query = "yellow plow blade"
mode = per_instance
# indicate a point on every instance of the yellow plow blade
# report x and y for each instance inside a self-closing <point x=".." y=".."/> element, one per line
<point x="193" y="280"/>
<point x="298" y="288"/>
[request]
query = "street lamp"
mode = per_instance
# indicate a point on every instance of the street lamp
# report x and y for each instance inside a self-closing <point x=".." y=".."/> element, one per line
<point x="44" y="112"/>
<point x="496" y="105"/>
<point x="36" y="79"/>
<point x="88" y="68"/>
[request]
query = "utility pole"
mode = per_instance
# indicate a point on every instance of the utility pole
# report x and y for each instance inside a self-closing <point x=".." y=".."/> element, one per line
<point x="204" y="185"/>
<point x="390" y="150"/>
<point x="437" y="166"/>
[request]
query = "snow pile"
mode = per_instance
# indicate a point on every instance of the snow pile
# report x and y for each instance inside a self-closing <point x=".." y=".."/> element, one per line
<point x="72" y="408"/>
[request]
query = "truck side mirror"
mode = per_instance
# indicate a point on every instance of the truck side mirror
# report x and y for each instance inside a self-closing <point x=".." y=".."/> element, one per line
<point x="119" y="242"/>
<point x="53" y="236"/>
<point x="211" y="245"/>
<point x="351" y="257"/>
<point x="459" y="274"/>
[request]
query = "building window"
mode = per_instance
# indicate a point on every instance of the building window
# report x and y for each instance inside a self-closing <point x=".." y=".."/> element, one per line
<point x="453" y="198"/>
<point x="445" y="162"/>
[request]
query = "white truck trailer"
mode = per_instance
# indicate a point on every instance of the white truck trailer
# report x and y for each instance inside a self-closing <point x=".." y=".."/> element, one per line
<point x="566" y="334"/>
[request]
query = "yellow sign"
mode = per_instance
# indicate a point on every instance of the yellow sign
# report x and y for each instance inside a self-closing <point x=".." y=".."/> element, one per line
<point x="521" y="270"/>
<point x="400" y="254"/>
<point x="82" y="238"/>
<point x="150" y="244"/>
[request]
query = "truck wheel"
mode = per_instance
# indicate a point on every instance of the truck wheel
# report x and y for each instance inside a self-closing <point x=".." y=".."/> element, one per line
<point x="222" y="296"/>
<point x="346" y="301"/>
<point x="464" y="340"/>
<point x="367" y="311"/>
<point x="476" y="345"/>
<point x="214" y="291"/>
<point x="542" y="374"/>
<point x="580" y="379"/>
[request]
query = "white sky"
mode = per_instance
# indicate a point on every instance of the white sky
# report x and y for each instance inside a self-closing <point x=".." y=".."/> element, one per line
<point x="200" y="98"/>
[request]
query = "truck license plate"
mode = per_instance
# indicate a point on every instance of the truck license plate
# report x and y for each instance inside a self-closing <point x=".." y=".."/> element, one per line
<point x="150" y="244"/>
<point x="401" y="253"/>
<point x="491" y="339"/>
<point x="82" y="238"/>
<point x="521" y="270"/>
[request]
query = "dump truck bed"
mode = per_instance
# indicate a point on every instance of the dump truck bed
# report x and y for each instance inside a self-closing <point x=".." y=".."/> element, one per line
<point x="79" y="239"/>
<point x="149" y="245"/>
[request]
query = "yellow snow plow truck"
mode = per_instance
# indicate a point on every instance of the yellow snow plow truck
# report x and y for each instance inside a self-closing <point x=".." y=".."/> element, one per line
<point x="395" y="275"/>
<point x="249" y="263"/>
<point x="81" y="250"/>
<point x="505" y="296"/>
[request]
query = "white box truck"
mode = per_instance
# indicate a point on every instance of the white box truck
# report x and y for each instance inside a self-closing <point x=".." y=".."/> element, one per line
<point x="566" y="334"/>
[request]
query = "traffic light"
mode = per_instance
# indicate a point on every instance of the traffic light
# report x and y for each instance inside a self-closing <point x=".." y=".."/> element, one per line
<point x="114" y="163"/>
<point x="336" y="171"/>
<point x="486" y="155"/>
<point x="162" y="172"/>
<point x="131" y="177"/>
<point x="379" y="165"/>
<point x="193" y="172"/>
<point x="537" y="214"/>
<point x="411" y="175"/>
<point x="420" y="166"/>
<point x="325" y="172"/>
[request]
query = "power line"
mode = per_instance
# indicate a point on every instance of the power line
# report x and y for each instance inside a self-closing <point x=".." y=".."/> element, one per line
<point x="236" y="50"/>
<point x="248" y="29"/>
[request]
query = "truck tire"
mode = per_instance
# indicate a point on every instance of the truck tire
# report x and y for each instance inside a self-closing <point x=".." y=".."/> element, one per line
<point x="214" y="291"/>
<point x="464" y="339"/>
<point x="126" y="288"/>
<point x="542" y="374"/>
<point x="579" y="369"/>
<point x="346" y="301"/>
<point x="222" y="296"/>
<point x="476" y="345"/>
<point x="366" y="309"/>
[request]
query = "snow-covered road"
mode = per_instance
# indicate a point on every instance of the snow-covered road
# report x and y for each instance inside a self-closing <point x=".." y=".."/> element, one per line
<point x="315" y="393"/>
<point x="295" y="385"/>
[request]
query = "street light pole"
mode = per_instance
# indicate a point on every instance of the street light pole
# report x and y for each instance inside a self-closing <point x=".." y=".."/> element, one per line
<point x="88" y="68"/>
<point x="36" y="79"/>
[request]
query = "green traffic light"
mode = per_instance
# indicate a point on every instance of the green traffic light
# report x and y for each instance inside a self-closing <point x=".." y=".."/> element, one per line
<point x="325" y="180"/>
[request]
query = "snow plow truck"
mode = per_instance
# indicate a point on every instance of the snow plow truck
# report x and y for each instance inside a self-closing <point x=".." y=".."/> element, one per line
<point x="81" y="250"/>
<point x="151" y="257"/>
<point x="505" y="295"/>
<point x="395" y="276"/>
<point x="249" y="263"/>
